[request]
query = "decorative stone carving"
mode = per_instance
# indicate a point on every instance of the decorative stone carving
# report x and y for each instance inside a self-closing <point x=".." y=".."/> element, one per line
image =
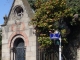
<point x="17" y="12"/>
<point x="18" y="26"/>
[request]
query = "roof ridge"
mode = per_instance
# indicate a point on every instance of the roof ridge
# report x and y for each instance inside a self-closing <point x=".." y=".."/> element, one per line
<point x="28" y="10"/>
<point x="5" y="21"/>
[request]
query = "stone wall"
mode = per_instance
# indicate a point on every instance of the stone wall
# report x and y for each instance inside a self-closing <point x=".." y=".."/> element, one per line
<point x="19" y="28"/>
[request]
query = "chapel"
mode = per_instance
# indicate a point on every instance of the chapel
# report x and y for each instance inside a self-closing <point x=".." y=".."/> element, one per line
<point x="19" y="40"/>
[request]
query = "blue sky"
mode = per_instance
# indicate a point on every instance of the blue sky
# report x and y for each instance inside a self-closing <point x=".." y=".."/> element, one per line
<point x="5" y="6"/>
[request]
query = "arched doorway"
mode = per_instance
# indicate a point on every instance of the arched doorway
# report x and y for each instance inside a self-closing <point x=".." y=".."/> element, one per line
<point x="18" y="49"/>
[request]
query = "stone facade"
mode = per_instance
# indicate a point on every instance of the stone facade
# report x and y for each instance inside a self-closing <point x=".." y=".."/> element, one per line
<point x="17" y="27"/>
<point x="78" y="54"/>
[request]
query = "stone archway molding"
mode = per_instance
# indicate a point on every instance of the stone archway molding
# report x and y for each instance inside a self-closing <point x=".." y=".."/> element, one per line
<point x="14" y="36"/>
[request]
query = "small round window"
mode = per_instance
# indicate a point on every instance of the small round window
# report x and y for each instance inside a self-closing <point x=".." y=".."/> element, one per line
<point x="18" y="11"/>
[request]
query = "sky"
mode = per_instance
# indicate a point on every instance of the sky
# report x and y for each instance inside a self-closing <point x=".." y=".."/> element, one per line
<point x="5" y="6"/>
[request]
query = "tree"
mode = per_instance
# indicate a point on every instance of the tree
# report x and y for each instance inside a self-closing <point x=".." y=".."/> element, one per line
<point x="51" y="15"/>
<point x="34" y="3"/>
<point x="75" y="5"/>
<point x="71" y="3"/>
<point x="0" y="42"/>
<point x="58" y="15"/>
<point x="0" y="36"/>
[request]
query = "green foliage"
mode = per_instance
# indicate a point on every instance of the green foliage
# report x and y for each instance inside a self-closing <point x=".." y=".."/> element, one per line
<point x="44" y="41"/>
<point x="0" y="42"/>
<point x="52" y="15"/>
<point x="49" y="16"/>
<point x="32" y="2"/>
<point x="36" y="3"/>
<point x="75" y="5"/>
<point x="0" y="37"/>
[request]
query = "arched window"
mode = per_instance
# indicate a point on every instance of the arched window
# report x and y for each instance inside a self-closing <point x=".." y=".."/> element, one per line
<point x="18" y="11"/>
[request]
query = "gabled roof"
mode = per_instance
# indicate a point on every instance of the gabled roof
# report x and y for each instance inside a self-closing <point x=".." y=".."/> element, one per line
<point x="28" y="11"/>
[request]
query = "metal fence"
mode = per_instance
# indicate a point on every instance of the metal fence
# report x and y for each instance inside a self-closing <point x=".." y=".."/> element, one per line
<point x="48" y="54"/>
